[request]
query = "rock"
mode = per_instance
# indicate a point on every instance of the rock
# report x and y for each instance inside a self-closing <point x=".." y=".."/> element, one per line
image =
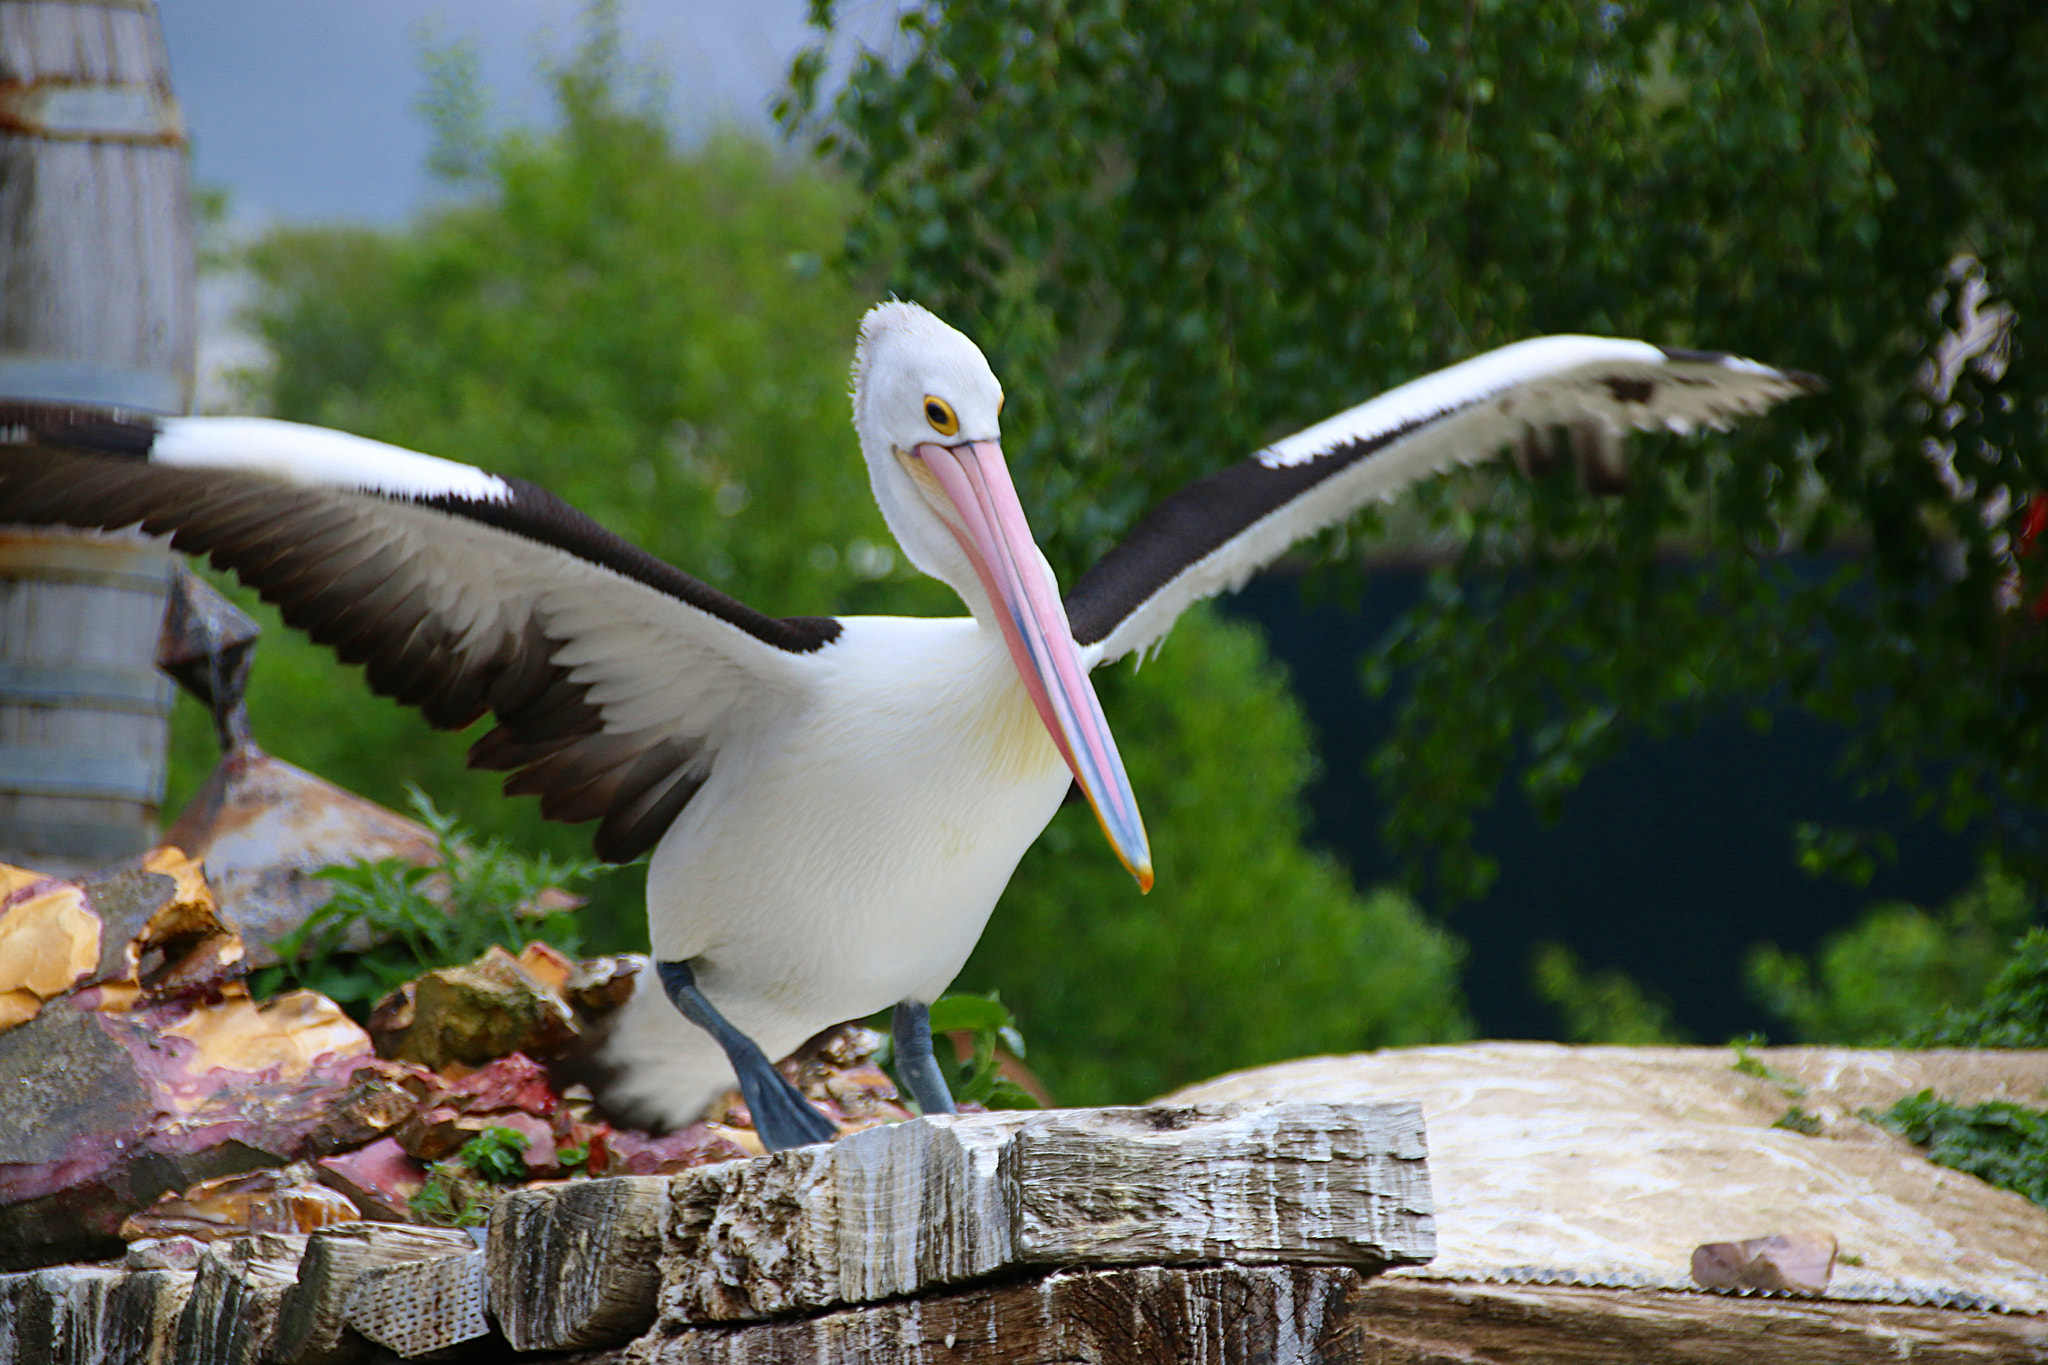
<point x="164" y="931"/>
<point x="381" y="1096"/>
<point x="110" y="1110"/>
<point x="599" y="985"/>
<point x="264" y="828"/>
<point x="381" y="1179"/>
<point x="512" y="1092"/>
<point x="285" y="1199"/>
<point x="150" y="929"/>
<point x="1592" y="1165"/>
<point x="49" y="942"/>
<point x="629" y="1153"/>
<point x="474" y="1014"/>
<point x="1798" y="1263"/>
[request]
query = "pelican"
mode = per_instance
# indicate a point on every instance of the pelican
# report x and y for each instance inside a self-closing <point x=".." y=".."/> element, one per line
<point x="831" y="805"/>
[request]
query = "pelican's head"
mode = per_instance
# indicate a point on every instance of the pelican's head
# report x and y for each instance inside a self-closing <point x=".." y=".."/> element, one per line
<point x="927" y="407"/>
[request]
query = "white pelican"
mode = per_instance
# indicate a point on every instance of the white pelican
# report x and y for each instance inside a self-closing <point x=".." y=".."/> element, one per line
<point x="832" y="805"/>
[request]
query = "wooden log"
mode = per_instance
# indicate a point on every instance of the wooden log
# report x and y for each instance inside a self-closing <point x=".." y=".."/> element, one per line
<point x="901" y="1209"/>
<point x="1402" y="1321"/>
<point x="233" y="1306"/>
<point x="311" y="1329"/>
<point x="1220" y="1315"/>
<point x="420" y="1307"/>
<point x="577" y="1266"/>
<point x="89" y="1315"/>
<point x="1293" y="1315"/>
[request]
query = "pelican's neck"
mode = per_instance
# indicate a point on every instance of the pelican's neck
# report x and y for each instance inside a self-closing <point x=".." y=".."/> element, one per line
<point x="926" y="541"/>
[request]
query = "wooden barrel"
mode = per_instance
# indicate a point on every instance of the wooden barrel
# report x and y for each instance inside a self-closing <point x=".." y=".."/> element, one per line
<point x="96" y="314"/>
<point x="83" y="707"/>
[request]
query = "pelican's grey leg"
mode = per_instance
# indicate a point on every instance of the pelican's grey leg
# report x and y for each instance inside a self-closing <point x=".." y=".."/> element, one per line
<point x="910" y="1024"/>
<point x="782" y="1116"/>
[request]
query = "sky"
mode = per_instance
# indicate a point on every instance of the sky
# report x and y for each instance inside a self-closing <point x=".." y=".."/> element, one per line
<point x="304" y="112"/>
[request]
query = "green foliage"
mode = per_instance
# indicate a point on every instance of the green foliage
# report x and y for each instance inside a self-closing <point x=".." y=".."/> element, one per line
<point x="1249" y="949"/>
<point x="1801" y="1121"/>
<point x="459" y="1192"/>
<point x="1600" y="1007"/>
<point x="495" y="1154"/>
<point x="1190" y="226"/>
<point x="473" y="895"/>
<point x="1888" y="977"/>
<point x="1999" y="1142"/>
<point x="1747" y="1064"/>
<point x="979" y="1079"/>
<point x="2014" y="1010"/>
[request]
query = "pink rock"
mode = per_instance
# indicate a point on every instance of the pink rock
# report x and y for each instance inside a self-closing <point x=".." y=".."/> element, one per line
<point x="515" y="1081"/>
<point x="630" y="1153"/>
<point x="380" y="1178"/>
<point x="108" y="1111"/>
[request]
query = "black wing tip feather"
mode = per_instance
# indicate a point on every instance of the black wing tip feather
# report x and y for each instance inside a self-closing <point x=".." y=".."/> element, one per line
<point x="98" y="431"/>
<point x="1200" y="517"/>
<point x="1799" y="379"/>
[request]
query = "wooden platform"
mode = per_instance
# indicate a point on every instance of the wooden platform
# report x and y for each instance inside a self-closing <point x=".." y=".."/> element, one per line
<point x="1210" y="1233"/>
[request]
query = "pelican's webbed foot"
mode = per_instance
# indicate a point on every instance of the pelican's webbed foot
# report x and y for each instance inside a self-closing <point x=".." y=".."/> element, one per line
<point x="910" y="1025"/>
<point x="782" y="1116"/>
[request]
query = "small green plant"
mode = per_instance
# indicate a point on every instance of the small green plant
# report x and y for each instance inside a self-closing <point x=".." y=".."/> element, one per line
<point x="1747" y="1065"/>
<point x="1798" y="1120"/>
<point x="979" y="1079"/>
<point x="2001" y="1143"/>
<point x="460" y="1191"/>
<point x="475" y="894"/>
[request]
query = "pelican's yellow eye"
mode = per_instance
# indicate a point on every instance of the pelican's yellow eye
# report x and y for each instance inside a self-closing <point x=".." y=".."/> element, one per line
<point x="939" y="413"/>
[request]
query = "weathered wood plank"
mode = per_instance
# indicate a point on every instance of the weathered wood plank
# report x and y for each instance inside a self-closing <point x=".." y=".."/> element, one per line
<point x="420" y="1307"/>
<point x="577" y="1266"/>
<point x="1402" y="1321"/>
<point x="87" y="1315"/>
<point x="234" y="1301"/>
<point x="311" y="1329"/>
<point x="1222" y="1315"/>
<point x="1293" y="1315"/>
<point x="901" y="1209"/>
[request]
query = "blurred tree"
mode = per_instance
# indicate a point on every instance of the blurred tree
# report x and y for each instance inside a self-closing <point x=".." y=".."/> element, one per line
<point x="1898" y="969"/>
<point x="659" y="335"/>
<point x="1191" y="226"/>
<point x="1600" y="1006"/>
<point x="1249" y="949"/>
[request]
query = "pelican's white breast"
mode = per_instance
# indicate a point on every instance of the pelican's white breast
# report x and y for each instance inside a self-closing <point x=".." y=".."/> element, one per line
<point x="854" y="847"/>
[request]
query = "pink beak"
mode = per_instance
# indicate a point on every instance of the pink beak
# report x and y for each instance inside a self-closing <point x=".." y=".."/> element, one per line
<point x="999" y="544"/>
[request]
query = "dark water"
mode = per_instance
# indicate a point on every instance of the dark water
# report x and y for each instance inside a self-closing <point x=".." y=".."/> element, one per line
<point x="1668" y="862"/>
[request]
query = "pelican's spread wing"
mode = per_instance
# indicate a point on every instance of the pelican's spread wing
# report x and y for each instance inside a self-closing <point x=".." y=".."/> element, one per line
<point x="614" y="677"/>
<point x="1214" y="534"/>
